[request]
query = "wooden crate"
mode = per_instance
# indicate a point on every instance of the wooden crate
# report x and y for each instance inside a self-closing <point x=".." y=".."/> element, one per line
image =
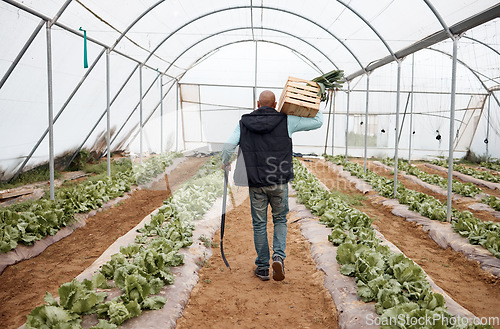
<point x="6" y="194"/>
<point x="300" y="97"/>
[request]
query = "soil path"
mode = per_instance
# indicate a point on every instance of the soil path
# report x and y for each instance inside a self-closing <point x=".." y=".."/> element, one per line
<point x="462" y="205"/>
<point x="23" y="286"/>
<point x="237" y="299"/>
<point x="462" y="279"/>
<point x="429" y="170"/>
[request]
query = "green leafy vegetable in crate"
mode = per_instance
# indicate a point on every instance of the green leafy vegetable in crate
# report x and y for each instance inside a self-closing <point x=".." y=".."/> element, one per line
<point x="330" y="80"/>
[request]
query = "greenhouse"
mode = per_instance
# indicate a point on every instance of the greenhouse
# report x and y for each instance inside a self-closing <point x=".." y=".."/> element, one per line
<point x="123" y="122"/>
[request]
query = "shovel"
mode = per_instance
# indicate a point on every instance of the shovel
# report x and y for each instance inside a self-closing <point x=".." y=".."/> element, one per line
<point x="223" y="219"/>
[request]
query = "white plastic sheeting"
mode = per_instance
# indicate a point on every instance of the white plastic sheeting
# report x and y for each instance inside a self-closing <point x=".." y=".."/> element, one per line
<point x="229" y="52"/>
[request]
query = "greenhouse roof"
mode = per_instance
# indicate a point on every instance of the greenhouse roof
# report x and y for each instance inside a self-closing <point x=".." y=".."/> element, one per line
<point x="357" y="35"/>
<point x="212" y="43"/>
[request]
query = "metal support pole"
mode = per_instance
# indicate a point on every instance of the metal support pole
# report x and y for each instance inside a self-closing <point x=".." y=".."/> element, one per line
<point x="100" y="118"/>
<point x="396" y="136"/>
<point x="177" y="115"/>
<point x="411" y="105"/>
<point x="30" y="40"/>
<point x="328" y="128"/>
<point x="21" y="53"/>
<point x="108" y="114"/>
<point x="201" y="123"/>
<point x="145" y="122"/>
<point x="182" y="121"/>
<point x="51" y="110"/>
<point x="333" y="96"/>
<point x="488" y="130"/>
<point x="161" y="114"/>
<point x="140" y="113"/>
<point x="130" y="115"/>
<point x="56" y="117"/>
<point x="347" y="118"/>
<point x="366" y="119"/>
<point x="255" y="80"/>
<point x="452" y="128"/>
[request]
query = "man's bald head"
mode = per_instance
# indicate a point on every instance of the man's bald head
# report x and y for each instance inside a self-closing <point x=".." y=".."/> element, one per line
<point x="267" y="98"/>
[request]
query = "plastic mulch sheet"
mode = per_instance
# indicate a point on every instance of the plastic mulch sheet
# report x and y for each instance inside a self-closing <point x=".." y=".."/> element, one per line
<point x="22" y="252"/>
<point x="441" y="233"/>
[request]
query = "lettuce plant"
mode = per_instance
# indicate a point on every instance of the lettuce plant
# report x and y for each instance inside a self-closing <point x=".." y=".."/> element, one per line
<point x="486" y="234"/>
<point x="396" y="283"/>
<point x="479" y="174"/>
<point x="465" y="189"/>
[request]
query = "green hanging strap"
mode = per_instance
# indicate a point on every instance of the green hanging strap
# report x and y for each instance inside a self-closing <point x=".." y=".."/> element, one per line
<point x="85" y="61"/>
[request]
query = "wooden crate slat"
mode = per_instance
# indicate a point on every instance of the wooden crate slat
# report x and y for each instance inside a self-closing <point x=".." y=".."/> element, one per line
<point x="301" y="103"/>
<point x="302" y="92"/>
<point x="300" y="97"/>
<point x="294" y="79"/>
<point x="301" y="86"/>
<point x="305" y="98"/>
<point x="298" y="110"/>
<point x="12" y="193"/>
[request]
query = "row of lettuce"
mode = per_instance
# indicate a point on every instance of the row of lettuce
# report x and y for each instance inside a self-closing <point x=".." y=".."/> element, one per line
<point x="484" y="233"/>
<point x="399" y="287"/>
<point x="493" y="165"/>
<point x="139" y="270"/>
<point x="479" y="174"/>
<point x="465" y="189"/>
<point x="30" y="221"/>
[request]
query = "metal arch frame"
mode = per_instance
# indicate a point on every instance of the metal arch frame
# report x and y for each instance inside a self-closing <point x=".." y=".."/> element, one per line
<point x="50" y="22"/>
<point x="258" y="7"/>
<point x="31" y="38"/>
<point x="138" y="18"/>
<point x="439" y="18"/>
<point x="454" y="38"/>
<point x="253" y="38"/>
<point x="460" y="27"/>
<point x="468" y="67"/>
<point x="138" y="105"/>
<point x="454" y="30"/>
<point x="102" y="115"/>
<point x="482" y="43"/>
<point x="71" y="30"/>
<point x="198" y="59"/>
<point x="246" y="7"/>
<point x="370" y="26"/>
<point x="146" y="121"/>
<point x="59" y="113"/>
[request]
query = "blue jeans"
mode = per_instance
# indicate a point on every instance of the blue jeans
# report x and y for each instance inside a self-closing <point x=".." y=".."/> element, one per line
<point x="260" y="198"/>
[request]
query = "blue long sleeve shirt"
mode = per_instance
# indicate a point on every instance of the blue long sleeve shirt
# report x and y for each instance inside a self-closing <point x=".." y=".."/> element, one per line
<point x="294" y="124"/>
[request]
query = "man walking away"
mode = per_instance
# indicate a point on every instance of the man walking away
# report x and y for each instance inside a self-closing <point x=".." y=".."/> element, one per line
<point x="264" y="137"/>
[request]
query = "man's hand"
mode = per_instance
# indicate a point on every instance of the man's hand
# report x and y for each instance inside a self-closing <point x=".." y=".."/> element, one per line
<point x="228" y="165"/>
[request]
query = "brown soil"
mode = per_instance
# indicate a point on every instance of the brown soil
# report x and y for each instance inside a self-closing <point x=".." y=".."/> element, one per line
<point x="444" y="174"/>
<point x="236" y="298"/>
<point x="462" y="279"/>
<point x="462" y="205"/>
<point x="23" y="285"/>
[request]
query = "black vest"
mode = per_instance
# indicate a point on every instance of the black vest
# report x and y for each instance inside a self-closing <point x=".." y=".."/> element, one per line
<point x="265" y="148"/>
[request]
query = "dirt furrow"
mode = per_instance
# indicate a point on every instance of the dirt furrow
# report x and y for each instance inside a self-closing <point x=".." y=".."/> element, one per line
<point x="226" y="299"/>
<point x="473" y="288"/>
<point x="429" y="170"/>
<point x="23" y="285"/>
<point x="462" y="205"/>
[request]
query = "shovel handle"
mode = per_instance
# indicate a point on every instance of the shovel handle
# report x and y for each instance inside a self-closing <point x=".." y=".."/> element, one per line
<point x="223" y="218"/>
